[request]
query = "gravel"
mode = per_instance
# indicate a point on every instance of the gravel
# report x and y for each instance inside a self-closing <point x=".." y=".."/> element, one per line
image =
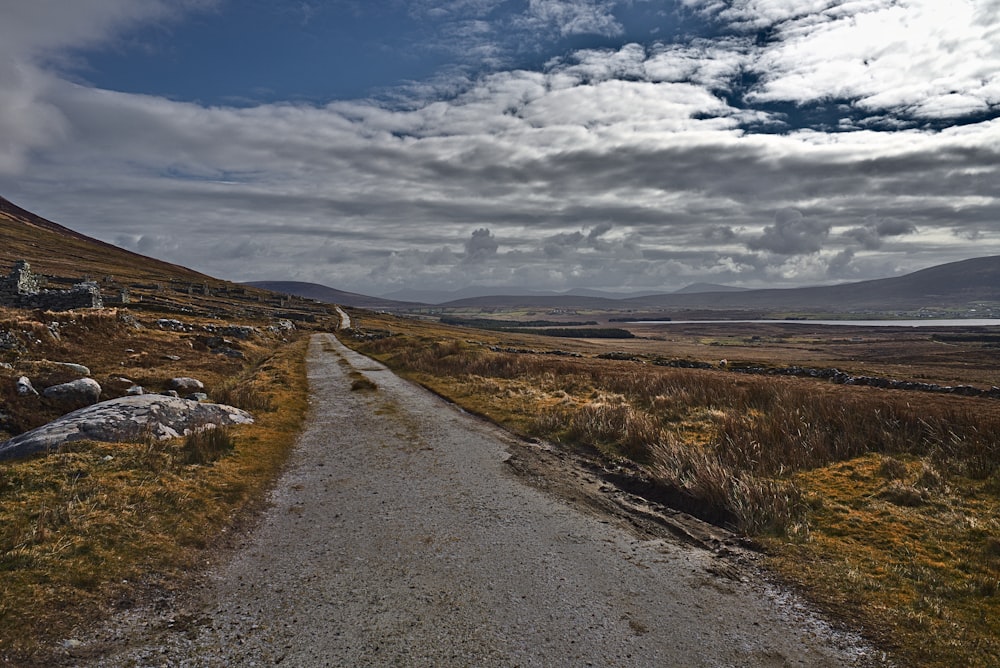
<point x="399" y="537"/>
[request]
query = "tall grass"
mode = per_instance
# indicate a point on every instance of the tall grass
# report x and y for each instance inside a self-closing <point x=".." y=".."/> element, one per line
<point x="755" y="432"/>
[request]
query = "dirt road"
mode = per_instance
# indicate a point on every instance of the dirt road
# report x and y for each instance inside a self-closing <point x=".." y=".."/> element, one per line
<point x="400" y="537"/>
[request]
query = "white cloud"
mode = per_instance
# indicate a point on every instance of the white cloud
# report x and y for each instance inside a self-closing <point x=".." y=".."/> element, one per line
<point x="572" y="17"/>
<point x="927" y="58"/>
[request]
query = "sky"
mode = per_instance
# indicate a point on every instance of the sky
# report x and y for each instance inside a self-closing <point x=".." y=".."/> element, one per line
<point x="626" y="145"/>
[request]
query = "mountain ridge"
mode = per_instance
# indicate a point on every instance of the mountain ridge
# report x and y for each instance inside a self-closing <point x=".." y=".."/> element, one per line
<point x="328" y="295"/>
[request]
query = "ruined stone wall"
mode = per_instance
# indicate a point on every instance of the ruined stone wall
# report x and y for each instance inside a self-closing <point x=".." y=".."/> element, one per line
<point x="83" y="295"/>
<point x="22" y="289"/>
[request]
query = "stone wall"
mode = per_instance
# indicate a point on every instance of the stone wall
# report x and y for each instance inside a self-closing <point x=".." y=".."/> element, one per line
<point x="22" y="289"/>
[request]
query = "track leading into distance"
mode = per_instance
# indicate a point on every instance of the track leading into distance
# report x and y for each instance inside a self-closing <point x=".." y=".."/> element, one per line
<point x="399" y="537"/>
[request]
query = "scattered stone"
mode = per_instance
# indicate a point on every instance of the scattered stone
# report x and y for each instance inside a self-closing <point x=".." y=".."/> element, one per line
<point x="135" y="391"/>
<point x="78" y="368"/>
<point x="125" y="419"/>
<point x="186" y="385"/>
<point x="9" y="341"/>
<point x="197" y="396"/>
<point x="83" y="391"/>
<point x="619" y="356"/>
<point x="171" y="393"/>
<point x="172" y="358"/>
<point x="173" y="325"/>
<point x="25" y="388"/>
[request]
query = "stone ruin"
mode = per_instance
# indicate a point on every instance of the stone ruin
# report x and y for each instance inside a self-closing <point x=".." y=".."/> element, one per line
<point x="23" y="289"/>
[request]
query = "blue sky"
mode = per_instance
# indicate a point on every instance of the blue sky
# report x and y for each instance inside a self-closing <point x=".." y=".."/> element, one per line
<point x="542" y="144"/>
<point x="252" y="52"/>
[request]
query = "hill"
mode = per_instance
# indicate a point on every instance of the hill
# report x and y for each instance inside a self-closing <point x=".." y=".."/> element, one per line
<point x="59" y="251"/>
<point x="956" y="286"/>
<point x="328" y="295"/>
<point x="696" y="288"/>
<point x="65" y="256"/>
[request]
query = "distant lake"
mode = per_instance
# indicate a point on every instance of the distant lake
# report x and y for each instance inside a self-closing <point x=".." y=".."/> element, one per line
<point x="925" y="322"/>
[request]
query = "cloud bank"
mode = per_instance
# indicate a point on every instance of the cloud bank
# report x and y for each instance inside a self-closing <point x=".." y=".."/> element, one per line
<point x="797" y="143"/>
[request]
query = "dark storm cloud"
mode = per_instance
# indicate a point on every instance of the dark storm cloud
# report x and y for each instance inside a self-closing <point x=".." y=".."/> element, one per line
<point x="791" y="234"/>
<point x="871" y="235"/>
<point x="481" y="246"/>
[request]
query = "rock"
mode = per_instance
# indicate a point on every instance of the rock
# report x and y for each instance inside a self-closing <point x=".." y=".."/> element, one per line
<point x="171" y="324"/>
<point x="83" y="391"/>
<point x="186" y="385"/>
<point x="197" y="396"/>
<point x="171" y="393"/>
<point x="135" y="391"/>
<point x="124" y="419"/>
<point x="25" y="388"/>
<point x="77" y="368"/>
<point x="172" y="358"/>
<point x="241" y="331"/>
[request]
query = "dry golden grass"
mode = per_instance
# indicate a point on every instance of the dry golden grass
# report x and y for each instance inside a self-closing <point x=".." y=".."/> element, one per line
<point x="86" y="529"/>
<point x="883" y="505"/>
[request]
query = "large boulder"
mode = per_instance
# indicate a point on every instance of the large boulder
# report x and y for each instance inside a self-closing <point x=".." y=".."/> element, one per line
<point x="122" y="420"/>
<point x="186" y="385"/>
<point x="80" y="392"/>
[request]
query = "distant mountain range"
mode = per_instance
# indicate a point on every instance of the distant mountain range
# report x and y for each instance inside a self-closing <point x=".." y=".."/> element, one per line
<point x="322" y="293"/>
<point x="698" y="288"/>
<point x="475" y="292"/>
<point x="956" y="285"/>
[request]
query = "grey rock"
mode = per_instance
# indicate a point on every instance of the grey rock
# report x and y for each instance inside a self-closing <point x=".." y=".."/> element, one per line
<point x="135" y="391"/>
<point x="197" y="396"/>
<point x="78" y="368"/>
<point x="172" y="324"/>
<point x="172" y="358"/>
<point x="124" y="419"/>
<point x="81" y="391"/>
<point x="186" y="385"/>
<point x="171" y="393"/>
<point x="25" y="388"/>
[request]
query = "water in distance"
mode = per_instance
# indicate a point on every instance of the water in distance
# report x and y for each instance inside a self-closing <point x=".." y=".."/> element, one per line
<point x="926" y="322"/>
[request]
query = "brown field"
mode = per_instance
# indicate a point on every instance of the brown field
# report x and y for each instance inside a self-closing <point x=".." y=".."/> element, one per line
<point x="882" y="505"/>
<point x="98" y="527"/>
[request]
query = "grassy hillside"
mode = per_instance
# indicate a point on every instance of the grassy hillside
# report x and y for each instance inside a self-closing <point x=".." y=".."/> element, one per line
<point x="329" y="295"/>
<point x="96" y="527"/>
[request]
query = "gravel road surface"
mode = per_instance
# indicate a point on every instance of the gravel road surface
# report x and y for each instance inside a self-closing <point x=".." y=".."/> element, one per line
<point x="400" y="537"/>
